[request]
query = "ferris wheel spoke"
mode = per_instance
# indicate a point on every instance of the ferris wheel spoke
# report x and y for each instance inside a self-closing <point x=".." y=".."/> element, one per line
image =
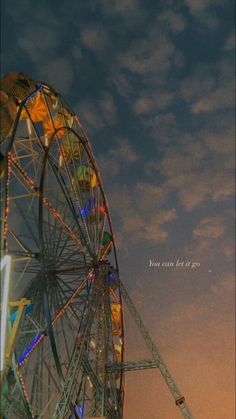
<point x="32" y="234"/>
<point x="62" y="293"/>
<point x="62" y="249"/>
<point x="21" y="244"/>
<point x="70" y="204"/>
<point x="62" y="244"/>
<point x="53" y="244"/>
<point x="65" y="287"/>
<point x="65" y="339"/>
<point x="60" y="304"/>
<point x="56" y="242"/>
<point x="53" y="210"/>
<point x="82" y="197"/>
<point x="76" y="201"/>
<point x="56" y="317"/>
<point x="51" y="230"/>
<point x="67" y="321"/>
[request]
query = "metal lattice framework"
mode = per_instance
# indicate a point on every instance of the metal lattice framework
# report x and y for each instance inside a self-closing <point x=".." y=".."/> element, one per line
<point x="68" y="357"/>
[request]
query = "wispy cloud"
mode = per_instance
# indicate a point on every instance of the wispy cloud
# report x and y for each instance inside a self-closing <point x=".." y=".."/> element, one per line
<point x="221" y="143"/>
<point x="159" y="100"/>
<point x="148" y="56"/>
<point x="197" y="166"/>
<point x="150" y="197"/>
<point x="122" y="82"/>
<point x="198" y="6"/>
<point x="94" y="38"/>
<point x="219" y="98"/>
<point x="124" y="152"/>
<point x="120" y="155"/>
<point x="210" y="227"/>
<point x="142" y="213"/>
<point x="225" y="285"/>
<point x="39" y="42"/>
<point x="108" y="108"/>
<point x="209" y="88"/>
<point x="196" y="185"/>
<point x="98" y="113"/>
<point x="193" y="185"/>
<point x="58" y="72"/>
<point x="173" y="21"/>
<point x="131" y="12"/>
<point x="230" y="43"/>
<point x="204" y="12"/>
<point x="119" y="6"/>
<point x="212" y="242"/>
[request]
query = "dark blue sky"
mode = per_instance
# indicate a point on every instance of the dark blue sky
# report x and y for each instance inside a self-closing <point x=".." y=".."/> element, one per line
<point x="153" y="85"/>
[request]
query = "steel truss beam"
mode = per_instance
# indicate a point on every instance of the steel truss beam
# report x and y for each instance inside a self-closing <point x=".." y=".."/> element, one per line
<point x="132" y="365"/>
<point x="97" y="385"/>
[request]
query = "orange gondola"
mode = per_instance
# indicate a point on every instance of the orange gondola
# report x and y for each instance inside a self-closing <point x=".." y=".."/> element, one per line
<point x="56" y="126"/>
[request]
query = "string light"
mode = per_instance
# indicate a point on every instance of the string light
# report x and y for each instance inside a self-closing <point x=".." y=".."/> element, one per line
<point x="24" y="388"/>
<point x="30" y="348"/>
<point x="106" y="250"/>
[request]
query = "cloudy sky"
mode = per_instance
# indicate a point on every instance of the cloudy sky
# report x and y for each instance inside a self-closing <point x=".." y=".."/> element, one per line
<point x="152" y="82"/>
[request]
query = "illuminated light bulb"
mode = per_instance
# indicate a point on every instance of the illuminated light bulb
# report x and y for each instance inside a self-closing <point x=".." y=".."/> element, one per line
<point x="90" y="382"/>
<point x="60" y="160"/>
<point x="92" y="343"/>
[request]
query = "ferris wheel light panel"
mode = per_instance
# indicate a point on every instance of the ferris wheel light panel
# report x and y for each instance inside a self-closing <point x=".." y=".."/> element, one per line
<point x="5" y="263"/>
<point x="27" y="351"/>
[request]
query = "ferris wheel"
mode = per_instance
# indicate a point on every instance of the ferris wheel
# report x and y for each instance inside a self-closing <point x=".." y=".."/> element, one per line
<point x="62" y="307"/>
<point x="57" y="231"/>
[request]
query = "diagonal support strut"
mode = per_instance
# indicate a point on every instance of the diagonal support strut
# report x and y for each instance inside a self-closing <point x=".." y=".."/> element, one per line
<point x="178" y="397"/>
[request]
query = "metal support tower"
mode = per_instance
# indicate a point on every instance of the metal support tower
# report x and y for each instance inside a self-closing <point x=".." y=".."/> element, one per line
<point x="178" y="397"/>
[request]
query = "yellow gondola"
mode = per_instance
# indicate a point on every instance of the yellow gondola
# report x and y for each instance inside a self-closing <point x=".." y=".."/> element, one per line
<point x="116" y="318"/>
<point x="72" y="147"/>
<point x="118" y="352"/>
<point x="85" y="178"/>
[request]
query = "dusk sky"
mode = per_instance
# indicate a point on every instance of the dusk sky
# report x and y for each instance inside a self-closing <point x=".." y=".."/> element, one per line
<point x="153" y="85"/>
